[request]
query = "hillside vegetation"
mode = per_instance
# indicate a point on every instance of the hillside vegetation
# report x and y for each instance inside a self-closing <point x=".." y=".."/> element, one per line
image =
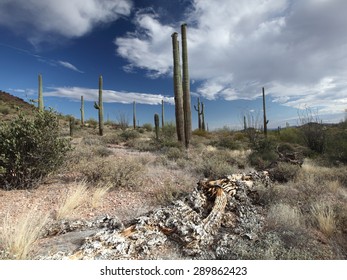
<point x="304" y="209"/>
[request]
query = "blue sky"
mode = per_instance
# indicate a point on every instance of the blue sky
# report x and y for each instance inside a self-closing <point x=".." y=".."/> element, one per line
<point x="296" y="49"/>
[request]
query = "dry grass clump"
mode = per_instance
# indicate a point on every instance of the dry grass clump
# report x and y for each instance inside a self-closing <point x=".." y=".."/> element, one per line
<point x="98" y="194"/>
<point x="74" y="199"/>
<point x="18" y="236"/>
<point x="324" y="217"/>
<point x="285" y="216"/>
<point x="125" y="172"/>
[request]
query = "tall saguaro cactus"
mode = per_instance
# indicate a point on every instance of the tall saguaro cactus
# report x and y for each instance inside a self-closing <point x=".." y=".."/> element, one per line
<point x="82" y="110"/>
<point x="162" y="113"/>
<point x="179" y="113"/>
<point x="40" y="95"/>
<point x="156" y="125"/>
<point x="99" y="106"/>
<point x="201" y="117"/>
<point x="264" y="112"/>
<point x="203" y="127"/>
<point x="186" y="88"/>
<point x="134" y="114"/>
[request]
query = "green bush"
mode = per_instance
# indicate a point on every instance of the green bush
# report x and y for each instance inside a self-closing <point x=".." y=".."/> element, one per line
<point x="129" y="134"/>
<point x="336" y="148"/>
<point x="30" y="150"/>
<point x="264" y="152"/>
<point x="148" y="127"/>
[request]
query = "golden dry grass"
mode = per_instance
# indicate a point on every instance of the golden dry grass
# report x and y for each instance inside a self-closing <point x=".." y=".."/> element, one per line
<point x="98" y="194"/>
<point x="324" y="216"/>
<point x="19" y="235"/>
<point x="75" y="197"/>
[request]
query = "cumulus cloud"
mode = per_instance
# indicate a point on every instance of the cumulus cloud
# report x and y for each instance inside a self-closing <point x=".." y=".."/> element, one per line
<point x="75" y="93"/>
<point x="65" y="18"/>
<point x="296" y="49"/>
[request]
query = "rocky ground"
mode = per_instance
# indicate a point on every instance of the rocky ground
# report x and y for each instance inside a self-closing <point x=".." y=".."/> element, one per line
<point x="205" y="224"/>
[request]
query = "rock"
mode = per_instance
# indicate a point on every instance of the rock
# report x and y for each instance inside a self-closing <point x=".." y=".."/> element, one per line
<point x="202" y="225"/>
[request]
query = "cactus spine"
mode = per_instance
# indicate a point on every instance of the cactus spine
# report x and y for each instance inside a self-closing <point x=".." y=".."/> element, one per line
<point x="82" y="110"/>
<point x="264" y="111"/>
<point x="156" y="124"/>
<point x="186" y="88"/>
<point x="134" y="114"/>
<point x="40" y="95"/>
<point x="162" y="113"/>
<point x="99" y="106"/>
<point x="178" y="89"/>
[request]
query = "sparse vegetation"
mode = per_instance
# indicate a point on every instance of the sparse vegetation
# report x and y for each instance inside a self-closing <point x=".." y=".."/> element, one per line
<point x="304" y="210"/>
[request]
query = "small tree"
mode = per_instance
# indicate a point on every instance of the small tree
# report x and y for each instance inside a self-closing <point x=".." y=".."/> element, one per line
<point x="30" y="149"/>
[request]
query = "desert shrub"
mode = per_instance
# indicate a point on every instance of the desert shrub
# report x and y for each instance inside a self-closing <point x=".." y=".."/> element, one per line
<point x="4" y="110"/>
<point x="314" y="136"/>
<point x="111" y="139"/>
<point x="92" y="140"/>
<point x="336" y="146"/>
<point x="168" y="131"/>
<point x="216" y="165"/>
<point x="92" y="123"/>
<point x="284" y="216"/>
<point x="174" y="153"/>
<point x="119" y="173"/>
<point x="201" y="133"/>
<point x="31" y="148"/>
<point x="103" y="151"/>
<point x="284" y="172"/>
<point x="264" y="152"/>
<point x="148" y="127"/>
<point x="227" y="142"/>
<point x="291" y="135"/>
<point x="129" y="134"/>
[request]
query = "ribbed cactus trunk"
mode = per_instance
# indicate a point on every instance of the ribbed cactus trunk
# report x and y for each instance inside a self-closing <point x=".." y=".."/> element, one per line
<point x="186" y="88"/>
<point x="179" y="113"/>
<point x="156" y="125"/>
<point x="72" y="126"/>
<point x="203" y="127"/>
<point x="162" y="114"/>
<point x="264" y="112"/>
<point x="40" y="95"/>
<point x="99" y="106"/>
<point x="82" y="111"/>
<point x="134" y="115"/>
<point x="244" y="123"/>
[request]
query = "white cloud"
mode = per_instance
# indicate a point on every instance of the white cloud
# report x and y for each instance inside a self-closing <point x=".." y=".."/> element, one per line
<point x="69" y="66"/>
<point x="66" y="18"/>
<point x="296" y="49"/>
<point x="75" y="93"/>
